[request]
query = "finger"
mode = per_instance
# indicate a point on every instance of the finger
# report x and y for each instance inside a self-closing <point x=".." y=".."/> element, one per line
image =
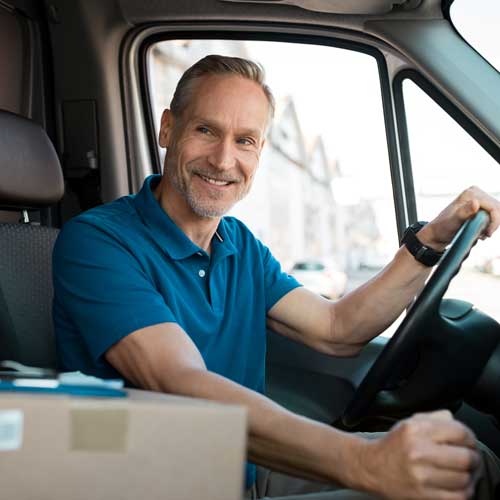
<point x="451" y="432"/>
<point x="470" y="208"/>
<point x="442" y="494"/>
<point x="447" y="479"/>
<point x="443" y="428"/>
<point x="453" y="458"/>
<point x="477" y="199"/>
<point x="445" y="415"/>
<point x="494" y="220"/>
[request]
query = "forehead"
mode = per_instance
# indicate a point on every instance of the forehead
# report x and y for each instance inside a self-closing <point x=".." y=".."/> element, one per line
<point x="233" y="100"/>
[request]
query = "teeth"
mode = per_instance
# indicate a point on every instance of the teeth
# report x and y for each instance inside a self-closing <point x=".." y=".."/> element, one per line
<point x="214" y="181"/>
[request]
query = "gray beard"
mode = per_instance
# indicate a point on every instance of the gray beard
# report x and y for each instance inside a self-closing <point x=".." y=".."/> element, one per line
<point x="199" y="208"/>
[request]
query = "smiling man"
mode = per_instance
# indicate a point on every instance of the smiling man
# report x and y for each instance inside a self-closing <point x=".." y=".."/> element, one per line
<point x="163" y="290"/>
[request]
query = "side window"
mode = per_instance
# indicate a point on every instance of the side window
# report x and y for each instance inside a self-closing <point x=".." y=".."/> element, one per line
<point x="443" y="165"/>
<point x="322" y="198"/>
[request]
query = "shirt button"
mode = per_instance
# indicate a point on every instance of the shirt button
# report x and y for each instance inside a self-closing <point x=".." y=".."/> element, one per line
<point x="201" y="273"/>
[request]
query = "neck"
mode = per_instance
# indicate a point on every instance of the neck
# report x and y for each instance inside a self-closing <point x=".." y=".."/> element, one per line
<point x="200" y="230"/>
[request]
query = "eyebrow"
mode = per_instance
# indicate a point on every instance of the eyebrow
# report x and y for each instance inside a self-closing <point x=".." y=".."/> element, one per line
<point x="216" y="125"/>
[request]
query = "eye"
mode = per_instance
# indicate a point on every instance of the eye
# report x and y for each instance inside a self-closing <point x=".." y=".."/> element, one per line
<point x="203" y="130"/>
<point x="246" y="141"/>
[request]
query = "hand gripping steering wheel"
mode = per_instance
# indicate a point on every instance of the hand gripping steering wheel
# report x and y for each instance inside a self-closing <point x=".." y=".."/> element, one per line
<point x="425" y="308"/>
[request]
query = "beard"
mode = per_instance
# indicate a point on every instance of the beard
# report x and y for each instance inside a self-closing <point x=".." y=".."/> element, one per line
<point x="206" y="204"/>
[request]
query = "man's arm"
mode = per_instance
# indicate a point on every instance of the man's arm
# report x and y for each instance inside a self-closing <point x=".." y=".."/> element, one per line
<point x="428" y="456"/>
<point x="343" y="327"/>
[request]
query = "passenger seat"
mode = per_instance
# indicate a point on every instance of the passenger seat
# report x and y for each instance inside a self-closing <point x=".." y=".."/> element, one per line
<point x="30" y="179"/>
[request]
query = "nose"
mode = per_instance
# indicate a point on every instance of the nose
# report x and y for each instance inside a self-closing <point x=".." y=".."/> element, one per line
<point x="223" y="155"/>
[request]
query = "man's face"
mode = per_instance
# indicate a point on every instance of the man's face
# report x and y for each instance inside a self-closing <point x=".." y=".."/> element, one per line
<point x="214" y="147"/>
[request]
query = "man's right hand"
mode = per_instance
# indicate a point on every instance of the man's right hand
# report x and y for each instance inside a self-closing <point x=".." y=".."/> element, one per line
<point x="428" y="456"/>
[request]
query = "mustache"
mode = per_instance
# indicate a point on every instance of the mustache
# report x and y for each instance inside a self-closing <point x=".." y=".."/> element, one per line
<point x="214" y="174"/>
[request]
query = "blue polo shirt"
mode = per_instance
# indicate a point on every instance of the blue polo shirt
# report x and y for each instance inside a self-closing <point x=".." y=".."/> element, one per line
<point x="126" y="265"/>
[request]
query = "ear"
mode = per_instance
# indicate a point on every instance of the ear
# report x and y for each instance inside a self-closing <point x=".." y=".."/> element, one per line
<point x="166" y="127"/>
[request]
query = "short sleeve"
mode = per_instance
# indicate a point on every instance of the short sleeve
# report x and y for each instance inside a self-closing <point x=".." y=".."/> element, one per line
<point x="277" y="283"/>
<point x="101" y="287"/>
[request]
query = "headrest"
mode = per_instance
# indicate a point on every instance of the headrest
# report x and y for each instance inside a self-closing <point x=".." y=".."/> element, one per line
<point x="30" y="172"/>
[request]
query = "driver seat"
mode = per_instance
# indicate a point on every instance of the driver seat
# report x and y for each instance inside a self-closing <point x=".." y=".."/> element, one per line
<point x="30" y="179"/>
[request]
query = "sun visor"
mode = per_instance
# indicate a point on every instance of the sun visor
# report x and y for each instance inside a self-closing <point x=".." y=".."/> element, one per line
<point x="358" y="7"/>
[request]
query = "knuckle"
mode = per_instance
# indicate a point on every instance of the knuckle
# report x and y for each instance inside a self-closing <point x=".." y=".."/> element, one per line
<point x="447" y="414"/>
<point x="405" y="425"/>
<point x="462" y="433"/>
<point x="420" y="476"/>
<point x="415" y="455"/>
<point x="411" y="429"/>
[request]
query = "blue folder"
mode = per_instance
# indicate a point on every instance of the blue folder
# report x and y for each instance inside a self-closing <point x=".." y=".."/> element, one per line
<point x="52" y="386"/>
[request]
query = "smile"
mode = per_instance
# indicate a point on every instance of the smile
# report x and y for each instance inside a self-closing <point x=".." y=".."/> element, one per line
<point x="215" y="182"/>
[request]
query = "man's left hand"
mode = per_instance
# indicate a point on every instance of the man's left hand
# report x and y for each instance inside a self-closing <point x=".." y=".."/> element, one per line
<point x="441" y="230"/>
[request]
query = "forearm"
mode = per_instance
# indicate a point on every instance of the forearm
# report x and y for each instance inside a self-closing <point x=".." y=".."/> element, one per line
<point x="370" y="309"/>
<point x="163" y="358"/>
<point x="278" y="438"/>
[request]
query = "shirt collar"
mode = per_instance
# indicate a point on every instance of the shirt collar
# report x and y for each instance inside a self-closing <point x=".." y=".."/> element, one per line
<point x="167" y="234"/>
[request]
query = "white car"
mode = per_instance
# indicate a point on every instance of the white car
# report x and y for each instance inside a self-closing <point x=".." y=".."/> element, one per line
<point x="320" y="278"/>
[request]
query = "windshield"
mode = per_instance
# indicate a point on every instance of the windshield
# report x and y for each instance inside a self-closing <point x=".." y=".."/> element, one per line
<point x="478" y="22"/>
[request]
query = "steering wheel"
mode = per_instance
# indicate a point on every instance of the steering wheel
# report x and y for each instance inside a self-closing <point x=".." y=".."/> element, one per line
<point x="426" y="308"/>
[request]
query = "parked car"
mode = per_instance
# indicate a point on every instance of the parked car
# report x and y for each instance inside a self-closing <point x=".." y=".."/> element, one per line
<point x="316" y="276"/>
<point x="492" y="266"/>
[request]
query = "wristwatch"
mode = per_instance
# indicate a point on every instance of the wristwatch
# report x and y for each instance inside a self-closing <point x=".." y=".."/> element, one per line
<point x="424" y="254"/>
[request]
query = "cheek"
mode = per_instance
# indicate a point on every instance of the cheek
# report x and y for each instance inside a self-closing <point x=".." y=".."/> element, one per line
<point x="249" y="164"/>
<point x="190" y="151"/>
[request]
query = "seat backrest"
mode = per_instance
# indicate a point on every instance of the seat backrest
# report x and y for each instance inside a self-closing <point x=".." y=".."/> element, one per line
<point x="30" y="178"/>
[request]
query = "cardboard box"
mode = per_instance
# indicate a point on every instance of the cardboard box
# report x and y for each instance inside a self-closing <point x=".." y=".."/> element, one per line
<point x="146" y="446"/>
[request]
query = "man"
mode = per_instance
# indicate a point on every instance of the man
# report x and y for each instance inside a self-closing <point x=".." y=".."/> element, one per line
<point x="165" y="291"/>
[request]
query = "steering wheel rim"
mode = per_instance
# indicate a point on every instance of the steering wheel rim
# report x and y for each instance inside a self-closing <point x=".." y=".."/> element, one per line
<point x="426" y="305"/>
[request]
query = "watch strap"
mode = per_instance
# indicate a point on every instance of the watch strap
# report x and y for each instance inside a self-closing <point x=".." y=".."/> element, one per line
<point x="422" y="253"/>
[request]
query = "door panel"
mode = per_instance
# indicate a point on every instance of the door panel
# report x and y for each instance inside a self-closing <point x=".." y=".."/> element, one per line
<point x="311" y="383"/>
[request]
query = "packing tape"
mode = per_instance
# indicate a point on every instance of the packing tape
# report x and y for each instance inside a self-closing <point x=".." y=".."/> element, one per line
<point x="95" y="429"/>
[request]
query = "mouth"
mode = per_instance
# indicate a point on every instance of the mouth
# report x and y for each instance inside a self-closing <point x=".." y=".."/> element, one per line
<point x="215" y="182"/>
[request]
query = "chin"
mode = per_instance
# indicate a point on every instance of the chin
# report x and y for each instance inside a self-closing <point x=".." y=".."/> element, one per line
<point x="209" y="212"/>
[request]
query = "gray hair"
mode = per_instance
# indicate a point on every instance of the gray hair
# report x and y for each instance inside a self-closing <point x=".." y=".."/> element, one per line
<point x="218" y="65"/>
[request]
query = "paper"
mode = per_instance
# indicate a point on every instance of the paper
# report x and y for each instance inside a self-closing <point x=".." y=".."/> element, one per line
<point x="11" y="429"/>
